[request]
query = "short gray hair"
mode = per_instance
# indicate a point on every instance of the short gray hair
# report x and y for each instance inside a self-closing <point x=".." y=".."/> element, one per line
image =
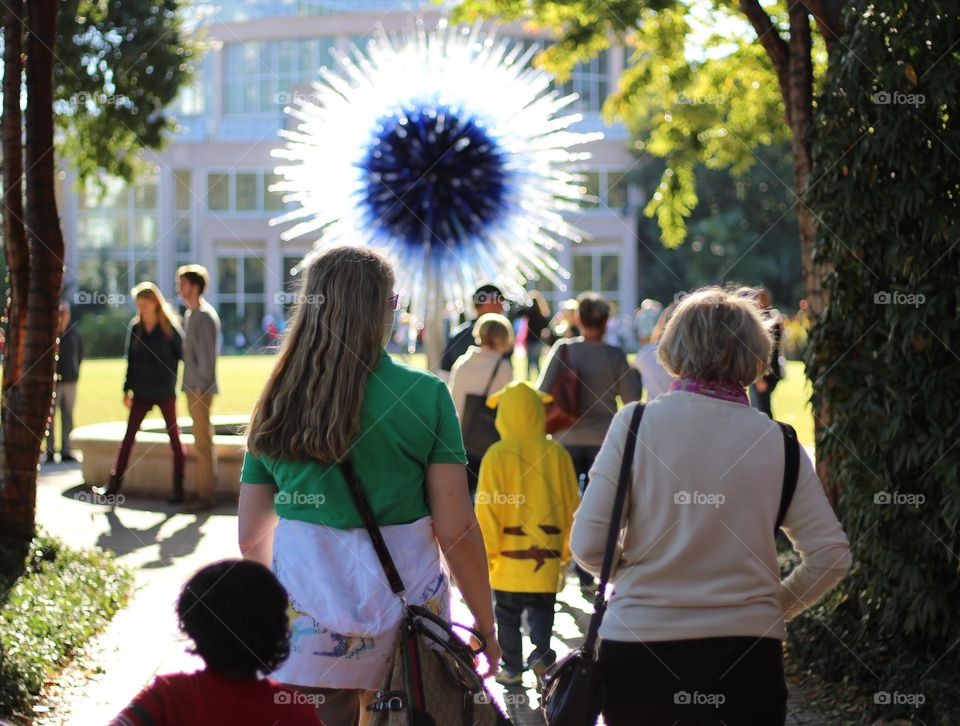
<point x="717" y="335"/>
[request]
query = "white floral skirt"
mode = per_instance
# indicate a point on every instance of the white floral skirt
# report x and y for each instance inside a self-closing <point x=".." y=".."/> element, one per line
<point x="344" y="617"/>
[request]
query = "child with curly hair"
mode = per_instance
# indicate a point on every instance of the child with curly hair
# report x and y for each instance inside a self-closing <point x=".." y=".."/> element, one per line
<point x="235" y="612"/>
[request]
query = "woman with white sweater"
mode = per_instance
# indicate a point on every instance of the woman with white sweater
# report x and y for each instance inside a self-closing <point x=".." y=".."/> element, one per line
<point x="482" y="370"/>
<point x="694" y="628"/>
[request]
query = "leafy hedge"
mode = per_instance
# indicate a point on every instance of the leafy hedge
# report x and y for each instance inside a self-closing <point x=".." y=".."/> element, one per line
<point x="104" y="333"/>
<point x="62" y="599"/>
<point x="886" y="357"/>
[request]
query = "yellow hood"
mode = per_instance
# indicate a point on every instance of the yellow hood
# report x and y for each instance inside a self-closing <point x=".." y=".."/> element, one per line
<point x="520" y="411"/>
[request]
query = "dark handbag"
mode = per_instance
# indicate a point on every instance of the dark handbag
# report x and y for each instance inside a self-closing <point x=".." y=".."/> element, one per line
<point x="432" y="680"/>
<point x="479" y="420"/>
<point x="572" y="692"/>
<point x="563" y="412"/>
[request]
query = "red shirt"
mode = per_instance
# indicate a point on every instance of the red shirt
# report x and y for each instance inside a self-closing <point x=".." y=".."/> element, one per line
<point x="207" y="698"/>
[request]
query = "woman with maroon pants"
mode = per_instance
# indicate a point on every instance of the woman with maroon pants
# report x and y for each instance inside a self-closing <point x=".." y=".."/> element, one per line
<point x="154" y="350"/>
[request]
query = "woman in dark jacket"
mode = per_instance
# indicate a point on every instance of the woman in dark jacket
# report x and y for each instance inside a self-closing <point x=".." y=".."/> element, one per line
<point x="537" y="313"/>
<point x="154" y="350"/>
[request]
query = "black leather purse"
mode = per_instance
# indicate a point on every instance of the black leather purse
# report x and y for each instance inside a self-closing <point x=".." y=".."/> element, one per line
<point x="572" y="692"/>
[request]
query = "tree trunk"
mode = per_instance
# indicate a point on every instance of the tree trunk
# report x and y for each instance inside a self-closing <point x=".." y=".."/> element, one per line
<point x="16" y="509"/>
<point x="800" y="116"/>
<point x="27" y="407"/>
<point x="793" y="63"/>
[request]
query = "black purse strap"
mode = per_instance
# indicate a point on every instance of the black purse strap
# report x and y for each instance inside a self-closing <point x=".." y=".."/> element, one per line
<point x="791" y="471"/>
<point x="588" y="649"/>
<point x="493" y="374"/>
<point x="366" y="514"/>
<point x="386" y="561"/>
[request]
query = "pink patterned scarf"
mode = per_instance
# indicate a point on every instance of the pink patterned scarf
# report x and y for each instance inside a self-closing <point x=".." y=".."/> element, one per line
<point x="715" y="389"/>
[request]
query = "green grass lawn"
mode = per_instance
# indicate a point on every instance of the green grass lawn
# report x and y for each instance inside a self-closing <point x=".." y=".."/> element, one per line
<point x="99" y="397"/>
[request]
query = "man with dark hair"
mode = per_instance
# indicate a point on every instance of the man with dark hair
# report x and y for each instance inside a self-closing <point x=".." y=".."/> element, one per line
<point x="200" y="348"/>
<point x="488" y="298"/>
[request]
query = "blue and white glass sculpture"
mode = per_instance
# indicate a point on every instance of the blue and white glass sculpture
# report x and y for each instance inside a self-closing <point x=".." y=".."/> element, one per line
<point x="445" y="148"/>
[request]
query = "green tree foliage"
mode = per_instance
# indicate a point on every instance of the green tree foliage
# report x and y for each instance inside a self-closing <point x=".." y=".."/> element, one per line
<point x="691" y="95"/>
<point x="886" y="354"/>
<point x="741" y="230"/>
<point x="119" y="65"/>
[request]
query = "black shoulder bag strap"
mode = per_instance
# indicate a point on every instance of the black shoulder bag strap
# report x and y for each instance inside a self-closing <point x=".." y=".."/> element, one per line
<point x="363" y="506"/>
<point x="791" y="471"/>
<point x="588" y="649"/>
<point x="386" y="561"/>
<point x="493" y="374"/>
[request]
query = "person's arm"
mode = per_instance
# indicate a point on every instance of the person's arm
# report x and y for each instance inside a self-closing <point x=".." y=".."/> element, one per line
<point x="571" y="498"/>
<point x="818" y="538"/>
<point x="461" y="542"/>
<point x="629" y="383"/>
<point x="550" y="368"/>
<point x="257" y="515"/>
<point x="591" y="523"/>
<point x="454" y="350"/>
<point x="487" y="510"/>
<point x="149" y="707"/>
<point x="204" y="351"/>
<point x="455" y="523"/>
<point x="257" y="520"/>
<point x="127" y="350"/>
<point x="458" y="399"/>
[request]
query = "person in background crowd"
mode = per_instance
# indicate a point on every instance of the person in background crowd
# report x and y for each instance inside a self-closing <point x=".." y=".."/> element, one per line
<point x="525" y="503"/>
<point x="536" y="313"/>
<point x="154" y="349"/>
<point x="235" y="612"/>
<point x="335" y="396"/>
<point x="620" y="332"/>
<point x="762" y="389"/>
<point x="699" y="603"/>
<point x="480" y="369"/>
<point x="565" y="323"/>
<point x="69" y="356"/>
<point x="604" y="373"/>
<point x="487" y="298"/>
<point x="270" y="329"/>
<point x="650" y="322"/>
<point x="200" y="349"/>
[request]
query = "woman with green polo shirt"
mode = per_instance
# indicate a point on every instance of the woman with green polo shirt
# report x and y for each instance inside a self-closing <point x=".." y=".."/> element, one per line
<point x="335" y="394"/>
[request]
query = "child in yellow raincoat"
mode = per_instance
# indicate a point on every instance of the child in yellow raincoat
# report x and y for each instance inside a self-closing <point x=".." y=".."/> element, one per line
<point x="526" y="496"/>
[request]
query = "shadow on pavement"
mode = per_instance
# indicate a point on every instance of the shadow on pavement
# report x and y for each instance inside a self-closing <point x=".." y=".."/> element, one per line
<point x="81" y="492"/>
<point x="122" y="539"/>
<point x="523" y="706"/>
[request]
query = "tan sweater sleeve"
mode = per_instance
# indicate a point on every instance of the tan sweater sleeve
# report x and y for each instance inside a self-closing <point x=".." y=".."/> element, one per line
<point x="816" y="535"/>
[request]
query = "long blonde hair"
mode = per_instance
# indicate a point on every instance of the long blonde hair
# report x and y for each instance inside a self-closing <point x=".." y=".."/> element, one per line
<point x="166" y="316"/>
<point x="310" y="407"/>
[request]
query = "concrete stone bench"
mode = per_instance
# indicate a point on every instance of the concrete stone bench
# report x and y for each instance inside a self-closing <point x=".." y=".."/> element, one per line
<point x="150" y="472"/>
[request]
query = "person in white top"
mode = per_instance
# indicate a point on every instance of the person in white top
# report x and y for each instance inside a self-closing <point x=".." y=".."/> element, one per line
<point x="656" y="379"/>
<point x="699" y="605"/>
<point x="484" y="368"/>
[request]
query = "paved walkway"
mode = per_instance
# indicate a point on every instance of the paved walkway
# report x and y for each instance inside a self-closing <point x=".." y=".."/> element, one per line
<point x="164" y="547"/>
